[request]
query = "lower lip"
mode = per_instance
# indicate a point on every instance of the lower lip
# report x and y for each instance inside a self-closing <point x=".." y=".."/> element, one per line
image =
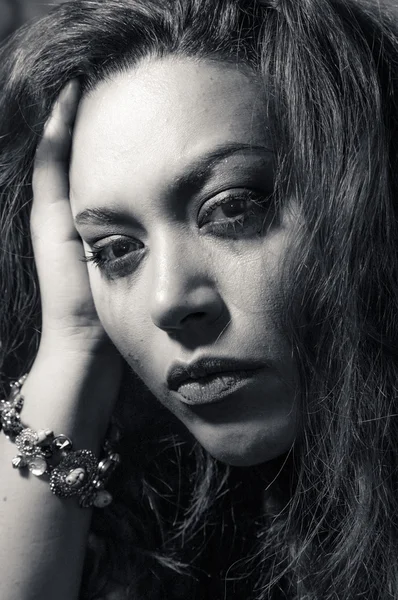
<point x="213" y="389"/>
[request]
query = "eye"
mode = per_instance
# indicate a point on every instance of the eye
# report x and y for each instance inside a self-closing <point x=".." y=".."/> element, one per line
<point x="230" y="208"/>
<point x="237" y="210"/>
<point x="116" y="256"/>
<point x="119" y="248"/>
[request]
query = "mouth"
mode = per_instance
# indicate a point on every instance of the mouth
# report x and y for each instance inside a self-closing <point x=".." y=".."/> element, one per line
<point x="213" y="388"/>
<point x="211" y="380"/>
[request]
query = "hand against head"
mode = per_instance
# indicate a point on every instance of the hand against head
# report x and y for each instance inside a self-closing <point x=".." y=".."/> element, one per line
<point x="69" y="314"/>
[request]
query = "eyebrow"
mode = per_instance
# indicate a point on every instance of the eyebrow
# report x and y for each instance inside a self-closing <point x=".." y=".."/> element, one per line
<point x="197" y="172"/>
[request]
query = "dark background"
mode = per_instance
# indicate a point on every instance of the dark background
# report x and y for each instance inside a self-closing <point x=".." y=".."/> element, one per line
<point x="14" y="13"/>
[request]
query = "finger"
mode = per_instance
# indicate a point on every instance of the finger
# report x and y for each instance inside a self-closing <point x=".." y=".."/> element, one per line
<point x="50" y="175"/>
<point x="57" y="247"/>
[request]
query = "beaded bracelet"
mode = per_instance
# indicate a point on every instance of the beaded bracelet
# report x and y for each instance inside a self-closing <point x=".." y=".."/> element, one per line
<point x="72" y="473"/>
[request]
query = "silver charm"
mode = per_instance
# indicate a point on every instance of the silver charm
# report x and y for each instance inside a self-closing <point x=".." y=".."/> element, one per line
<point x="115" y="457"/>
<point x="106" y="467"/>
<point x="62" y="443"/>
<point x="19" y="462"/>
<point x="98" y="484"/>
<point x="102" y="499"/>
<point x="86" y="500"/>
<point x="26" y="442"/>
<point x="74" y="474"/>
<point x="6" y="405"/>
<point x="44" y="435"/>
<point x="38" y="466"/>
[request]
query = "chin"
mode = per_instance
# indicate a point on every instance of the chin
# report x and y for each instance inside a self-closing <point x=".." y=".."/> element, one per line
<point x="246" y="442"/>
<point x="246" y="455"/>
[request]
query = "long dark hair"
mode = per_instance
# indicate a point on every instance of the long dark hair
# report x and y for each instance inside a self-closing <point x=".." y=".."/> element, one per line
<point x="321" y="521"/>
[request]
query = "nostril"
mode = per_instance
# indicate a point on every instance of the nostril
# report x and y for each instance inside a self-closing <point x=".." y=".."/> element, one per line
<point x="198" y="316"/>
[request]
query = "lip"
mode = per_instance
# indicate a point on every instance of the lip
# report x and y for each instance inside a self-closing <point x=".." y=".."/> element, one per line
<point x="209" y="379"/>
<point x="215" y="388"/>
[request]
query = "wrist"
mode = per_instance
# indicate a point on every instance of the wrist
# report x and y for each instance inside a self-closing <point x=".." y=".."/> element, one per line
<point x="73" y="471"/>
<point x="80" y="342"/>
<point x="72" y="391"/>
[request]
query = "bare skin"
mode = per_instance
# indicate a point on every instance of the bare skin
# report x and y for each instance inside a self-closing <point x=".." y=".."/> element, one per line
<point x="191" y="278"/>
<point x="76" y="371"/>
<point x="74" y="383"/>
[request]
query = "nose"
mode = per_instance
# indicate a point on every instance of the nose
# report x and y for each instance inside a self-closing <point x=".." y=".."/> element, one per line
<point x="184" y="292"/>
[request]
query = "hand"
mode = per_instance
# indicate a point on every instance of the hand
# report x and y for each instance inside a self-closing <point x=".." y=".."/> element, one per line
<point x="69" y="314"/>
<point x="74" y="348"/>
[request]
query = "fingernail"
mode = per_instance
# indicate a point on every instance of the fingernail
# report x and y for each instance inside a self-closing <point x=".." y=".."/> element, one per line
<point x="66" y="95"/>
<point x="69" y="89"/>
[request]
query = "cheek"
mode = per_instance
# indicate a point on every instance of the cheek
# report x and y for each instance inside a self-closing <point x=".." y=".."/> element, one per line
<point x="252" y="278"/>
<point x="123" y="316"/>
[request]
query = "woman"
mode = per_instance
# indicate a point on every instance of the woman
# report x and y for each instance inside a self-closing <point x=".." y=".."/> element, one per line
<point x="213" y="234"/>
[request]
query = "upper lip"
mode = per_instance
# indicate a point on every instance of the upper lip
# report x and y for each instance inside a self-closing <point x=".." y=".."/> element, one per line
<point x="181" y="372"/>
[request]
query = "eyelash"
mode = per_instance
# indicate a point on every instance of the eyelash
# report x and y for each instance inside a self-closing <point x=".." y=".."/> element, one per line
<point x="222" y="228"/>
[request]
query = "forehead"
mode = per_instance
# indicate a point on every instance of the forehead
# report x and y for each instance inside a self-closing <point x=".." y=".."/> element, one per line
<point x="143" y="126"/>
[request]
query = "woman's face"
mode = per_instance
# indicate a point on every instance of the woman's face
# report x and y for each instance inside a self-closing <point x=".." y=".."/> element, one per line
<point x="171" y="177"/>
